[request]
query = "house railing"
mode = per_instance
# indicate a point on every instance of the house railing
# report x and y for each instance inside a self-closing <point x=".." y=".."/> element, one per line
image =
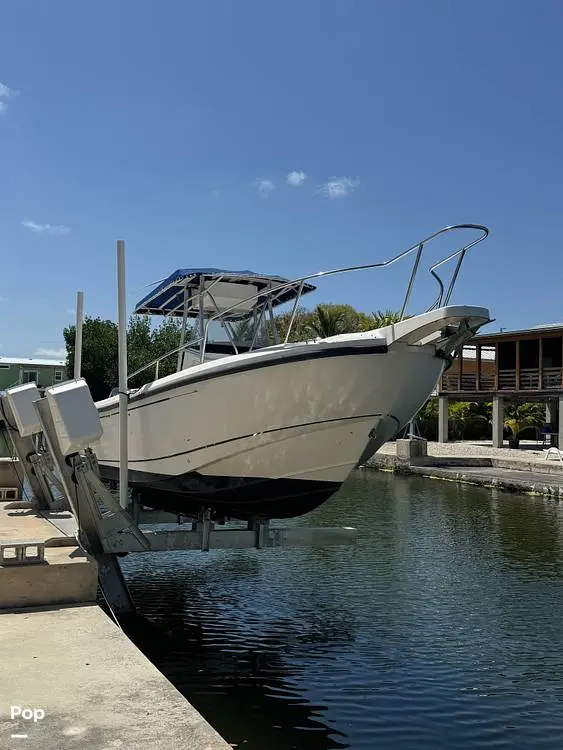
<point x="530" y="379"/>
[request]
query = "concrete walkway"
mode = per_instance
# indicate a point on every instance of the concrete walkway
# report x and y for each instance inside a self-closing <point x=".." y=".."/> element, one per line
<point x="478" y="463"/>
<point x="93" y="687"/>
<point x="529" y="453"/>
<point x="70" y="676"/>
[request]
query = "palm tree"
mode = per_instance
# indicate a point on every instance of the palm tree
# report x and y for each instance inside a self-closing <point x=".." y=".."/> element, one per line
<point x="382" y="318"/>
<point x="520" y="417"/>
<point x="327" y="321"/>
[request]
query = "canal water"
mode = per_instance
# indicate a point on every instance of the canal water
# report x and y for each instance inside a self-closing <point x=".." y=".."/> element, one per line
<point x="441" y="628"/>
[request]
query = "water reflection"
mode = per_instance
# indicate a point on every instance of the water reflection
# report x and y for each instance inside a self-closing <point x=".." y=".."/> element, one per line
<point x="439" y="628"/>
<point x="234" y="670"/>
<point x="529" y="534"/>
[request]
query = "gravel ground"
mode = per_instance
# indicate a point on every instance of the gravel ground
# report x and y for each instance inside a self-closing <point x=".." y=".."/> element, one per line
<point x="528" y="452"/>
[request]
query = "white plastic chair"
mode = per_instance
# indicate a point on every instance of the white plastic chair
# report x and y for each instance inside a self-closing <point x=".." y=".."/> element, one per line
<point x="558" y="453"/>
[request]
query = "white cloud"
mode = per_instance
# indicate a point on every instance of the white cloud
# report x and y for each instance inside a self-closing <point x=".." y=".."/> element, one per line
<point x="48" y="228"/>
<point x="338" y="187"/>
<point x="295" y="178"/>
<point x="50" y="353"/>
<point x="5" y="93"/>
<point x="265" y="187"/>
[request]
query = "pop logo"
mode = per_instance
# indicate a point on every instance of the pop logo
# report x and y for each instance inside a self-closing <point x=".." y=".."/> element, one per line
<point x="28" y="714"/>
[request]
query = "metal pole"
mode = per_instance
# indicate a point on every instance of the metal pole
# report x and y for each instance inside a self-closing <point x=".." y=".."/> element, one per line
<point x="273" y="322"/>
<point x="294" y="310"/>
<point x="123" y="394"/>
<point x="78" y="334"/>
<point x="411" y="281"/>
<point x="201" y="317"/>
<point x="182" y="333"/>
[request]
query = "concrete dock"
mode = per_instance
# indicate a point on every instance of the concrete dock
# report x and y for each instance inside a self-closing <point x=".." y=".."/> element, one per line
<point x="92" y="687"/>
<point x="70" y="676"/>
<point x="477" y="463"/>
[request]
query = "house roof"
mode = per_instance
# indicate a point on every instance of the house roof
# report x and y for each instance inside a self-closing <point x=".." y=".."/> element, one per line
<point x="549" y="328"/>
<point x="32" y="361"/>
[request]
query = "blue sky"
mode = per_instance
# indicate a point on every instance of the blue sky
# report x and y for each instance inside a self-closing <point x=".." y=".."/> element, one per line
<point x="175" y="126"/>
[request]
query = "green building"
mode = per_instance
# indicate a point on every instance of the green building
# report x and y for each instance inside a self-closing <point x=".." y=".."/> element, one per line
<point x="18" y="370"/>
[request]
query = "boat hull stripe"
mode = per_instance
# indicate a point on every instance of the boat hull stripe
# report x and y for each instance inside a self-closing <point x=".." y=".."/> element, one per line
<point x="256" y="364"/>
<point x="271" y="431"/>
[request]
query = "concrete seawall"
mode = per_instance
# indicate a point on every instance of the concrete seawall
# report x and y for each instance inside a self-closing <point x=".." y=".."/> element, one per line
<point x="530" y="474"/>
<point x="68" y="665"/>
<point x="93" y="687"/>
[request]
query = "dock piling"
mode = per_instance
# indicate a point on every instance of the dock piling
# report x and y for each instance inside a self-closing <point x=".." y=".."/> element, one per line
<point x="78" y="335"/>
<point x="123" y="390"/>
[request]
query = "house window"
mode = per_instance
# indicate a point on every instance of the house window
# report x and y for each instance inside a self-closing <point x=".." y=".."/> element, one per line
<point x="30" y="376"/>
<point x="4" y="367"/>
<point x="58" y="376"/>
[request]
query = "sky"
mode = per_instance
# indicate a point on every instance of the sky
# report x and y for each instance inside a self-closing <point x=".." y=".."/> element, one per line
<point x="285" y="138"/>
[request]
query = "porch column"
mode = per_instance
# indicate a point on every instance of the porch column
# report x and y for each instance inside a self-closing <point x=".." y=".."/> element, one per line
<point x="498" y="421"/>
<point x="560" y="423"/>
<point x="551" y="413"/>
<point x="517" y="365"/>
<point x="443" y="419"/>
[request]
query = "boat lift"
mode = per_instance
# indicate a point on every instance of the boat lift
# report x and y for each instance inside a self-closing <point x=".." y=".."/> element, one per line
<point x="54" y="437"/>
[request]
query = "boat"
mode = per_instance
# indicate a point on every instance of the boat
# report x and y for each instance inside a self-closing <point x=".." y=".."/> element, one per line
<point x="255" y="425"/>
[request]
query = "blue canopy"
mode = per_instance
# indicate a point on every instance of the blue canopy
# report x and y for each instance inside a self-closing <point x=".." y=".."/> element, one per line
<point x="232" y="287"/>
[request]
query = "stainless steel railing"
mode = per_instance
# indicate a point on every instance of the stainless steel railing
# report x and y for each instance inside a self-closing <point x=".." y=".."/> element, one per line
<point x="443" y="298"/>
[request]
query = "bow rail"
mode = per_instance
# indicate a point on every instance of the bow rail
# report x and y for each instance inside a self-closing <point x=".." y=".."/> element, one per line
<point x="268" y="296"/>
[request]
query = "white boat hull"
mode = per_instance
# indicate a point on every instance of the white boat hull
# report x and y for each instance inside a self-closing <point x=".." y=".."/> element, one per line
<point x="273" y="432"/>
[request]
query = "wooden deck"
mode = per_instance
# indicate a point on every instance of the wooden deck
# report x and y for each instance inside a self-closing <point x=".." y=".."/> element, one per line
<point x="519" y="363"/>
<point x="533" y="380"/>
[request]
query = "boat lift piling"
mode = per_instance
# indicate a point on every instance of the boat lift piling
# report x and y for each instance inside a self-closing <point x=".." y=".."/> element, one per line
<point x="123" y="390"/>
<point x="78" y="335"/>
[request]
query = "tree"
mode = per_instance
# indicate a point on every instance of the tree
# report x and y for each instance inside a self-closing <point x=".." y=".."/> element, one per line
<point x="466" y="420"/>
<point x="383" y="318"/>
<point x="469" y="420"/>
<point x="165" y="338"/>
<point x="427" y="419"/>
<point x="139" y="349"/>
<point x="300" y="330"/>
<point x="243" y="330"/>
<point x="327" y="320"/>
<point x="99" y="354"/>
<point x="353" y="321"/>
<point x="521" y="417"/>
<point x="144" y="344"/>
